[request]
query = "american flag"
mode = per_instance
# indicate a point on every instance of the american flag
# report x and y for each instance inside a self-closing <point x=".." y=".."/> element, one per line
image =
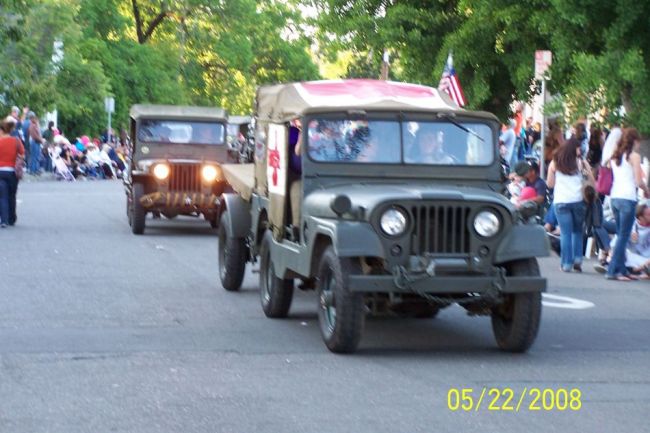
<point x="449" y="83"/>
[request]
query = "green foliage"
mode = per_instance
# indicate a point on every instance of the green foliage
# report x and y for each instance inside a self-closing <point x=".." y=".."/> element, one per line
<point x="601" y="50"/>
<point x="81" y="112"/>
<point x="197" y="52"/>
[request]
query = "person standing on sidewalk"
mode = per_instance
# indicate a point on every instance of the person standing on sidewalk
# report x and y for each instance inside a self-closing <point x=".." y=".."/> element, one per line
<point x="10" y="148"/>
<point x="565" y="174"/>
<point x="35" y="142"/>
<point x="628" y="177"/>
<point x="509" y="140"/>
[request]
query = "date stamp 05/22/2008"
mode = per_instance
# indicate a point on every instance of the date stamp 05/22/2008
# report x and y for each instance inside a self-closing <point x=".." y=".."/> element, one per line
<point x="510" y="400"/>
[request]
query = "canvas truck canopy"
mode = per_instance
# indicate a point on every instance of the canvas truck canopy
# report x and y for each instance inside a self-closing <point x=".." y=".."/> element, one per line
<point x="241" y="177"/>
<point x="283" y="102"/>
<point x="239" y="120"/>
<point x="178" y="112"/>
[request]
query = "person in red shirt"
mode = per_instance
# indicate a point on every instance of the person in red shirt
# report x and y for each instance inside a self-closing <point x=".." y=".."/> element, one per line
<point x="10" y="149"/>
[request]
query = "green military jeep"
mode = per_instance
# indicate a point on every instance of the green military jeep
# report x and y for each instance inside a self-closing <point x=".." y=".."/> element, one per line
<point x="175" y="163"/>
<point x="382" y="197"/>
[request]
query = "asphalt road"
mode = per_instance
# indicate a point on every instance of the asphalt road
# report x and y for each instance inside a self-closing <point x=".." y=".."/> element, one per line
<point x="104" y="331"/>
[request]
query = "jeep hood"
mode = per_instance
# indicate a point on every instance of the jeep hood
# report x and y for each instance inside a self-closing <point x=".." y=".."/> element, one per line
<point x="369" y="196"/>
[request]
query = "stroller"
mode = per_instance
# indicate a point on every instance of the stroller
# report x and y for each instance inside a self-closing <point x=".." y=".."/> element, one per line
<point x="60" y="168"/>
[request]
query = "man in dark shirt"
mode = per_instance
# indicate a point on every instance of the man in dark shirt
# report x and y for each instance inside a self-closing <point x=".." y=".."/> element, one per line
<point x="529" y="171"/>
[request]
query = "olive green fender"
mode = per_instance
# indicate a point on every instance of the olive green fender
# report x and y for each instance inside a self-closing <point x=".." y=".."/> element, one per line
<point x="238" y="215"/>
<point x="522" y="242"/>
<point x="349" y="238"/>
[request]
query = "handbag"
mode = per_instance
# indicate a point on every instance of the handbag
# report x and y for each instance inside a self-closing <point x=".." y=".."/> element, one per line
<point x="605" y="180"/>
<point x="20" y="162"/>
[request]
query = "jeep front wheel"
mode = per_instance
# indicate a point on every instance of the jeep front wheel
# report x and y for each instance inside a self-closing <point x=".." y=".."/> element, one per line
<point x="276" y="293"/>
<point x="341" y="314"/>
<point x="515" y="322"/>
<point x="138" y="214"/>
<point x="232" y="258"/>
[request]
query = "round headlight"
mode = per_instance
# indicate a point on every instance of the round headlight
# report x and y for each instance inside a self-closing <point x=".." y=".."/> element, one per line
<point x="487" y="224"/>
<point x="393" y="222"/>
<point x="209" y="173"/>
<point x="161" y="171"/>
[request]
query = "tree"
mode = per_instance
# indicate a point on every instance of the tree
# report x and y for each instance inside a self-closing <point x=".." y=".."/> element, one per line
<point x="601" y="49"/>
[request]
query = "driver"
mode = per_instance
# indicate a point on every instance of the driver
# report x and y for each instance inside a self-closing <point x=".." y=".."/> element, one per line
<point x="204" y="134"/>
<point x="429" y="148"/>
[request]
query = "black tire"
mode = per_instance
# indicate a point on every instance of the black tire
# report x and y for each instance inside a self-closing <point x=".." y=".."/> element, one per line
<point x="138" y="214"/>
<point x="276" y="293"/>
<point x="515" y="322"/>
<point x="341" y="314"/>
<point x="232" y="258"/>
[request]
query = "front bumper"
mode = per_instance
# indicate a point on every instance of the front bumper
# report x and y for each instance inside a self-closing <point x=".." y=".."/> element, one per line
<point x="180" y="200"/>
<point x="456" y="284"/>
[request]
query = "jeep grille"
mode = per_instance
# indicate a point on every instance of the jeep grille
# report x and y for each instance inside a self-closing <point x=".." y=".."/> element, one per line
<point x="440" y="230"/>
<point x="185" y="177"/>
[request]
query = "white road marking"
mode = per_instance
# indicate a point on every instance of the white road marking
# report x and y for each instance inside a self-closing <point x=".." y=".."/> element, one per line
<point x="557" y="301"/>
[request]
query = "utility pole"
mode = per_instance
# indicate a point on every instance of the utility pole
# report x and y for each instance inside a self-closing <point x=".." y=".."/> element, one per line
<point x="109" y="106"/>
<point x="385" y="66"/>
<point x="543" y="61"/>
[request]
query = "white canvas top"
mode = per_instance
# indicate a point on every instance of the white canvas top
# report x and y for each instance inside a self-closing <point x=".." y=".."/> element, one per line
<point x="287" y="101"/>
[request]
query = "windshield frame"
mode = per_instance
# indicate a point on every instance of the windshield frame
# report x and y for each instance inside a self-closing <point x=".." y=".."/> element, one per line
<point x="403" y="119"/>
<point x="221" y="122"/>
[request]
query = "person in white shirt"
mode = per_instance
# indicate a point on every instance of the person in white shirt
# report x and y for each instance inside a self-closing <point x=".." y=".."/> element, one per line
<point x="628" y="176"/>
<point x="610" y="144"/>
<point x="565" y="174"/>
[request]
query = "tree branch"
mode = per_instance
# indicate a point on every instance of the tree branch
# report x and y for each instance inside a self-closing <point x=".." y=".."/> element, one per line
<point x="153" y="24"/>
<point x="138" y="21"/>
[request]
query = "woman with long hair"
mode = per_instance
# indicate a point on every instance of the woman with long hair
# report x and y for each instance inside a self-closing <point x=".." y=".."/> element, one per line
<point x="596" y="142"/>
<point x="553" y="141"/>
<point x="565" y="174"/>
<point x="10" y="149"/>
<point x="628" y="177"/>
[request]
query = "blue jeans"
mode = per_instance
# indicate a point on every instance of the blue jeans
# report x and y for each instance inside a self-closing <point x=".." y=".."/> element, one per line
<point x="34" y="156"/>
<point x="624" y="214"/>
<point x="571" y="218"/>
<point x="8" y="188"/>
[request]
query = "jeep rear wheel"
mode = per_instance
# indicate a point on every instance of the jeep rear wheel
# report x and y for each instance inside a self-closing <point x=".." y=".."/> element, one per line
<point x="341" y="314"/>
<point x="515" y="322"/>
<point x="138" y="213"/>
<point x="276" y="293"/>
<point x="232" y="258"/>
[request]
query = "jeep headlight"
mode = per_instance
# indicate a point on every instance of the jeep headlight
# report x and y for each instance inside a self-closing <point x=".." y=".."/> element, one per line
<point x="393" y="222"/>
<point x="209" y="173"/>
<point x="161" y="171"/>
<point x="487" y="224"/>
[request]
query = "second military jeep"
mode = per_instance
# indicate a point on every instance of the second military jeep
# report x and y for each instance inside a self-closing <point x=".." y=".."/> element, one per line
<point x="383" y="198"/>
<point x="175" y="163"/>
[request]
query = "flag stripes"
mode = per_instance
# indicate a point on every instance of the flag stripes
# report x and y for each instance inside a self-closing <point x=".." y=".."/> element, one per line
<point x="450" y="84"/>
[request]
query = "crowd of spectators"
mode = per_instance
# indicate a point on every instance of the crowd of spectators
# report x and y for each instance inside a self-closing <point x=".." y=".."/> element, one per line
<point x="49" y="150"/>
<point x="596" y="187"/>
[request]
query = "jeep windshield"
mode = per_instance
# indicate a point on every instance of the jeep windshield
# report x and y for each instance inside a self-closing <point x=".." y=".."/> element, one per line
<point x="407" y="142"/>
<point x="180" y="132"/>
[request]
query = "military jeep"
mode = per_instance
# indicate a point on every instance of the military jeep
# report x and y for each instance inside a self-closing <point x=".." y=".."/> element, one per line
<point x="175" y="163"/>
<point x="384" y="198"/>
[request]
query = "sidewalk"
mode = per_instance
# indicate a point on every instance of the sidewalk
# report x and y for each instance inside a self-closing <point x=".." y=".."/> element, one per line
<point x="589" y="278"/>
<point x="44" y="177"/>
